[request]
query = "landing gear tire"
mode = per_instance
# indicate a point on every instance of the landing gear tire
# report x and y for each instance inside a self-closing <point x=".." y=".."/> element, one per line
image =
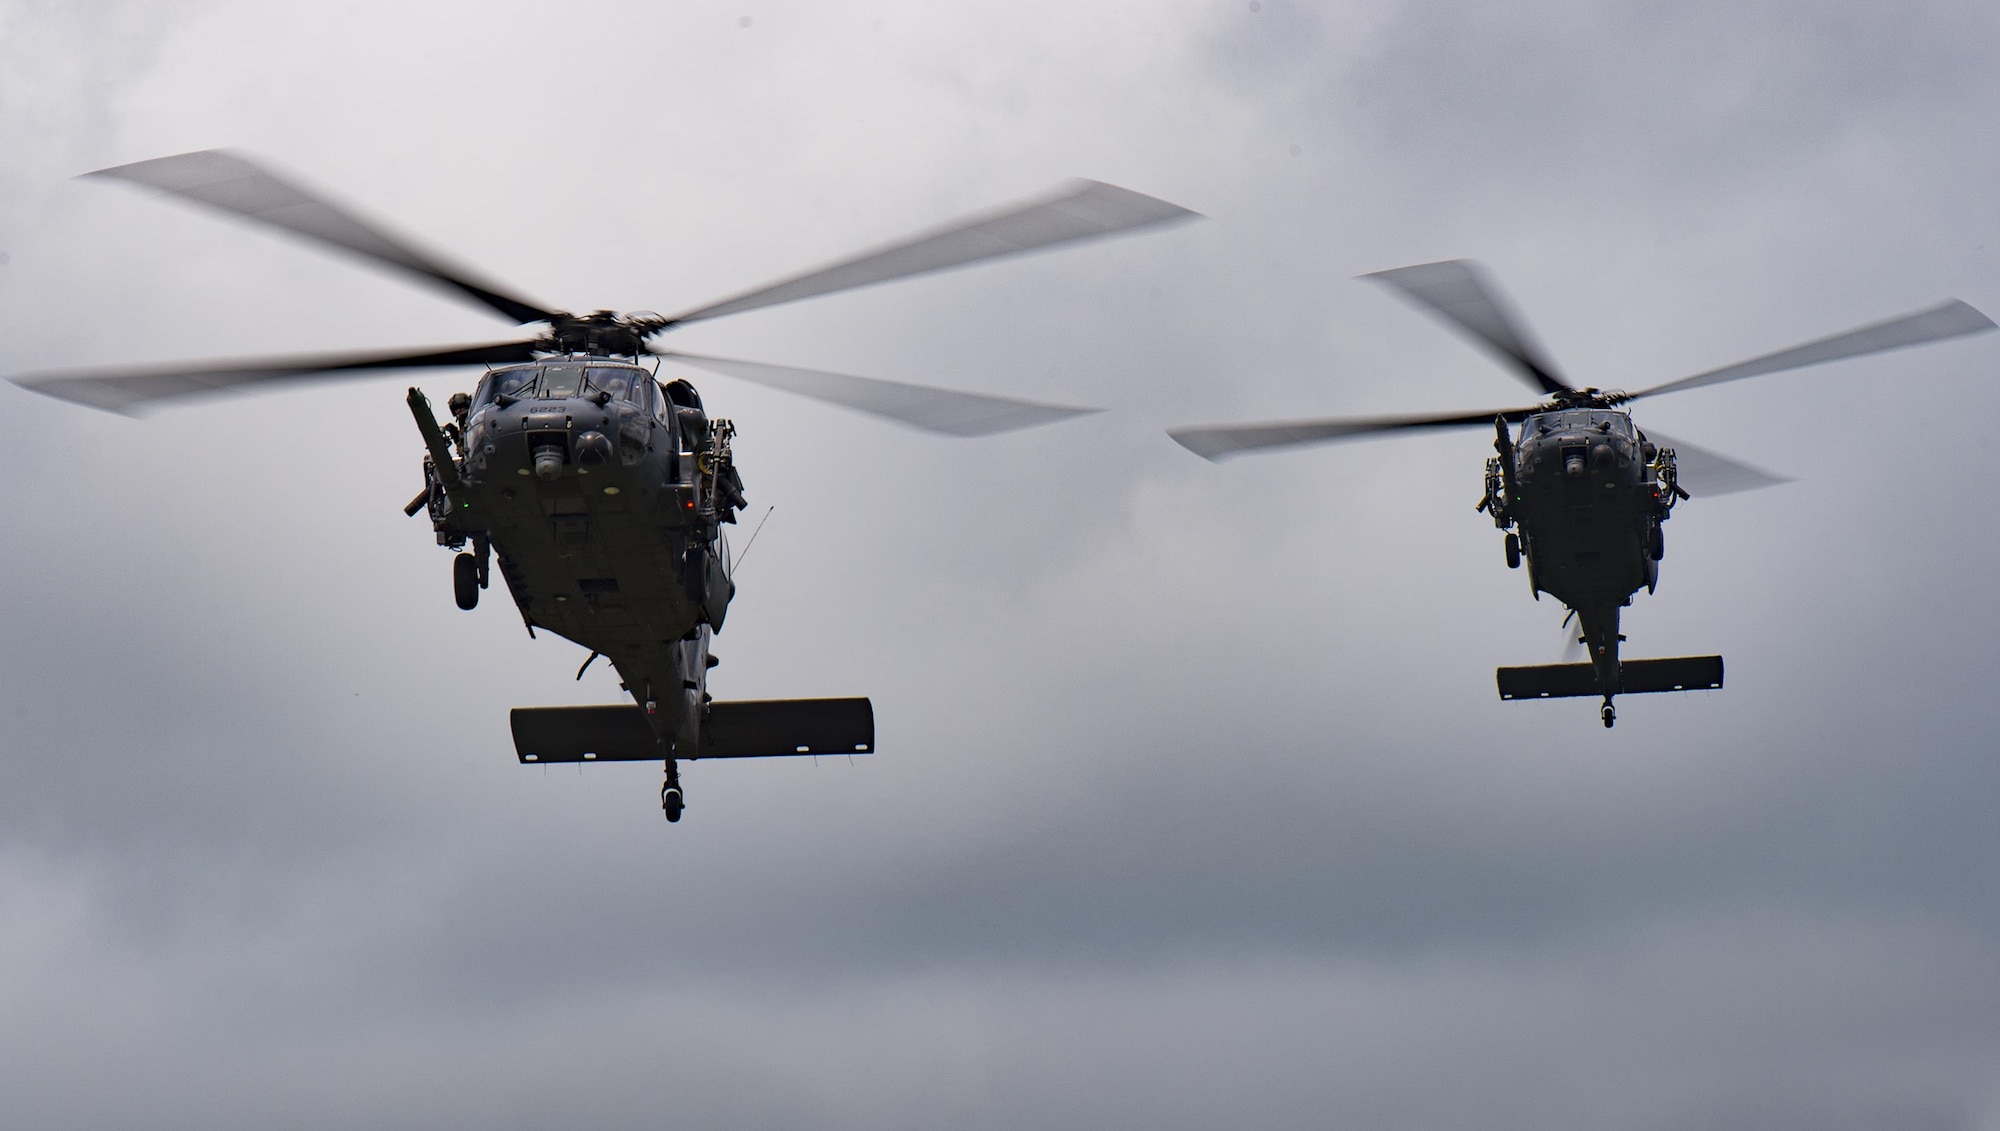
<point x="671" y="802"/>
<point x="1609" y="714"/>
<point x="1513" y="551"/>
<point x="465" y="580"/>
<point x="1656" y="543"/>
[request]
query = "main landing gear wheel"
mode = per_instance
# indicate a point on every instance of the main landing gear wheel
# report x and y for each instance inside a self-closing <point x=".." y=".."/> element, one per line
<point x="1609" y="714"/>
<point x="465" y="580"/>
<point x="1513" y="551"/>
<point x="671" y="802"/>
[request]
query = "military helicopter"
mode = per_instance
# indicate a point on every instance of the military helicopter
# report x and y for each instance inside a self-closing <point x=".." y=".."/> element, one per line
<point x="598" y="491"/>
<point x="1580" y="489"/>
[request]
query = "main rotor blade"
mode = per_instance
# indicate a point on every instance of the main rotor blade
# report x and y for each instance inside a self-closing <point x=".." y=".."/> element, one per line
<point x="231" y="183"/>
<point x="1085" y="210"/>
<point x="1949" y="319"/>
<point x="1458" y="290"/>
<point x="1704" y="474"/>
<point x="1218" y="442"/>
<point x="1572" y="644"/>
<point x="934" y="410"/>
<point x="131" y="391"/>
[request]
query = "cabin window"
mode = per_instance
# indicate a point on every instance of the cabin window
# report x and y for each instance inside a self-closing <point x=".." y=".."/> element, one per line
<point x="681" y="393"/>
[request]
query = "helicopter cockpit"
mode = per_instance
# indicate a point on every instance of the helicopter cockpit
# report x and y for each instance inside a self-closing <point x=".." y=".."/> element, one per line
<point x="627" y="383"/>
<point x="1606" y="421"/>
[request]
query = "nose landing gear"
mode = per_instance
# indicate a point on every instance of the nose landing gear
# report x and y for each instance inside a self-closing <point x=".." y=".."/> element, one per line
<point x="1608" y="713"/>
<point x="465" y="580"/>
<point x="468" y="572"/>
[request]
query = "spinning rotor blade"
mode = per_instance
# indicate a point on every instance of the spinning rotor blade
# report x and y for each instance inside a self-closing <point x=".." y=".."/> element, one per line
<point x="1572" y="638"/>
<point x="231" y="183"/>
<point x="1218" y="442"/>
<point x="1456" y="289"/>
<point x="1704" y="474"/>
<point x="933" y="410"/>
<point x="131" y="391"/>
<point x="1950" y="319"/>
<point x="1086" y="210"/>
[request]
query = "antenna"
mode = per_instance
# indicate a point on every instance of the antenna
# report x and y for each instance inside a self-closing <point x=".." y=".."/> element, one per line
<point x="738" y="563"/>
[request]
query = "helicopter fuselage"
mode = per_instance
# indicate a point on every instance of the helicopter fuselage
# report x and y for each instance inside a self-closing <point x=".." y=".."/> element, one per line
<point x="599" y="494"/>
<point x="1586" y="492"/>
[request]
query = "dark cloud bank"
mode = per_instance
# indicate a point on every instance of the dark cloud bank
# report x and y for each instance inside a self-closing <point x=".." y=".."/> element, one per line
<point x="1193" y="807"/>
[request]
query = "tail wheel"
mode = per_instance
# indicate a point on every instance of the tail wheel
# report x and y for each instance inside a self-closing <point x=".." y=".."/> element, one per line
<point x="465" y="580"/>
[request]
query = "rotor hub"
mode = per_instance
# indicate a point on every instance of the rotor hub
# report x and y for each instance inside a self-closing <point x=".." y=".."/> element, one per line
<point x="605" y="333"/>
<point x="1586" y="397"/>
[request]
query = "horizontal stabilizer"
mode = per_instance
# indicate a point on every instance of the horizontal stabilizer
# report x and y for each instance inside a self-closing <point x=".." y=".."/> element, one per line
<point x="755" y="728"/>
<point x="1681" y="673"/>
<point x="617" y="733"/>
<point x="764" y="728"/>
<point x="1548" y="681"/>
<point x="1636" y="677"/>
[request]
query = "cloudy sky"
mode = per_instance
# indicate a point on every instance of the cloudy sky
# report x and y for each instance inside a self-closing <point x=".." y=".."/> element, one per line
<point x="1194" y="804"/>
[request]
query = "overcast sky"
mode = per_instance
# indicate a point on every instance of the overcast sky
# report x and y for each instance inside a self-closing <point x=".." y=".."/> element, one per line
<point x="1194" y="804"/>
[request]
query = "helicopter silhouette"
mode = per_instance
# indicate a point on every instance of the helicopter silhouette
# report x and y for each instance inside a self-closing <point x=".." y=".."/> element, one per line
<point x="597" y="491"/>
<point x="1580" y="489"/>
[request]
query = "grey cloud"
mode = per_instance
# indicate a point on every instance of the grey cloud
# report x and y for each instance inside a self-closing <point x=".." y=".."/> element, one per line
<point x="1194" y="803"/>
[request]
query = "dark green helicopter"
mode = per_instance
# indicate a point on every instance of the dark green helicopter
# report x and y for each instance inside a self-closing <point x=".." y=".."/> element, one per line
<point x="598" y="491"/>
<point x="1581" y="490"/>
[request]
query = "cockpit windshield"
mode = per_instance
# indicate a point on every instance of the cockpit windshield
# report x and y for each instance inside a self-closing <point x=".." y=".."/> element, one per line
<point x="552" y="382"/>
<point x="618" y="382"/>
<point x="1581" y="420"/>
<point x="561" y="381"/>
<point x="515" y="383"/>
